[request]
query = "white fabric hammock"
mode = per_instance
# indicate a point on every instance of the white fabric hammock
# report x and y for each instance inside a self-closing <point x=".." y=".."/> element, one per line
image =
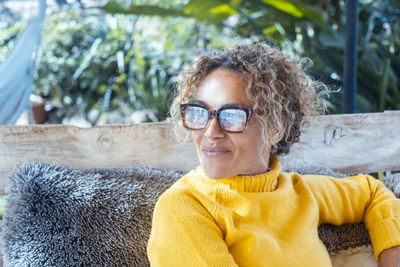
<point x="18" y="69"/>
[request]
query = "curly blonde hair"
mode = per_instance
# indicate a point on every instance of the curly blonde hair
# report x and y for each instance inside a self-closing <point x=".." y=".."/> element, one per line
<point x="284" y="96"/>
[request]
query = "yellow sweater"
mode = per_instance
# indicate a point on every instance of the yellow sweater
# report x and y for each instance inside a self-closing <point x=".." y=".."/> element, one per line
<point x="269" y="219"/>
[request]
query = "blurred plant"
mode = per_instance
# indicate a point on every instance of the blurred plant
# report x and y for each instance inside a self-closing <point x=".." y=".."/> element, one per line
<point x="8" y="38"/>
<point x="315" y="29"/>
<point x="95" y="63"/>
<point x="91" y="65"/>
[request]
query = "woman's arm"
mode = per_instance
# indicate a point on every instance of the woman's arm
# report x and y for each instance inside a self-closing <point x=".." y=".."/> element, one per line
<point x="360" y="199"/>
<point x="390" y="257"/>
<point x="184" y="234"/>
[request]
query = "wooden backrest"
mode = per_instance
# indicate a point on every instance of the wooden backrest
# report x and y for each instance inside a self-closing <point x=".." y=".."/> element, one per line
<point x="358" y="143"/>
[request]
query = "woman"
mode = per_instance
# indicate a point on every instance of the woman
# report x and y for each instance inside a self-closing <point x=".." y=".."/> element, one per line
<point x="243" y="107"/>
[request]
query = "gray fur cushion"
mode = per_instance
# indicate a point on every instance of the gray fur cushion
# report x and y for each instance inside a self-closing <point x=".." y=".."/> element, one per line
<point x="392" y="181"/>
<point x="60" y="216"/>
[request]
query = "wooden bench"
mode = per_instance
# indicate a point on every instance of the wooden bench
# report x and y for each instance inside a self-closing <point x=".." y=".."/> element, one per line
<point x="358" y="143"/>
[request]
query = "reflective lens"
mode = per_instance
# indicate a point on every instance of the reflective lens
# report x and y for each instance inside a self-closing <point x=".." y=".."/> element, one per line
<point x="233" y="119"/>
<point x="196" y="117"/>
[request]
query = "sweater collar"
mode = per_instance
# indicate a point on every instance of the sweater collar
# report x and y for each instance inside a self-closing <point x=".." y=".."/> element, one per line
<point x="265" y="182"/>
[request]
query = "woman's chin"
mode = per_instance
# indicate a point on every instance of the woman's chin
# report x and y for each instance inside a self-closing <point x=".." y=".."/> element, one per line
<point x="216" y="173"/>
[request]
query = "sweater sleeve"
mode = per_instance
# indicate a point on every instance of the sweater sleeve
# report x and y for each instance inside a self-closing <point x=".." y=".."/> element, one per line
<point x="360" y="199"/>
<point x="185" y="234"/>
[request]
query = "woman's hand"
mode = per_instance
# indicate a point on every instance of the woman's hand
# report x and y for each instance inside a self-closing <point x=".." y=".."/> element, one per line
<point x="390" y="257"/>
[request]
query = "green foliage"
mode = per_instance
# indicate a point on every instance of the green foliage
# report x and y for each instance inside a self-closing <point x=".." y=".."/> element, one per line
<point x="315" y="29"/>
<point x="3" y="200"/>
<point x="8" y="38"/>
<point x="114" y="8"/>
<point x="94" y="64"/>
<point x="91" y="65"/>
<point x="376" y="47"/>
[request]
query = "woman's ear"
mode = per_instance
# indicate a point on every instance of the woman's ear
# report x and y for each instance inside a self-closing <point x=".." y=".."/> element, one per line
<point x="278" y="135"/>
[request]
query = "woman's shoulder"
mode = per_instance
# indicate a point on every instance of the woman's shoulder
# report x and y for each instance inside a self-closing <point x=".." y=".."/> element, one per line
<point x="191" y="181"/>
<point x="305" y="180"/>
<point x="189" y="186"/>
<point x="321" y="182"/>
<point x="315" y="172"/>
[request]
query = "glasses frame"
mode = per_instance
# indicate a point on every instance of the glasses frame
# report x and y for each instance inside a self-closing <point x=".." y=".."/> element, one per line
<point x="215" y="113"/>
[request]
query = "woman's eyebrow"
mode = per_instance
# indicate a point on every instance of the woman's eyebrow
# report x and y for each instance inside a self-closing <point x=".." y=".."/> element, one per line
<point x="225" y="105"/>
<point x="233" y="104"/>
<point x="200" y="102"/>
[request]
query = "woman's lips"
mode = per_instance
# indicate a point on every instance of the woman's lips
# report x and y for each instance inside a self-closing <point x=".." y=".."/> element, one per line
<point x="215" y="152"/>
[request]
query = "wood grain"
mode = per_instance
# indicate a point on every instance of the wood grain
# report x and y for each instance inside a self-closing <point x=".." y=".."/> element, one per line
<point x="347" y="143"/>
<point x="360" y="143"/>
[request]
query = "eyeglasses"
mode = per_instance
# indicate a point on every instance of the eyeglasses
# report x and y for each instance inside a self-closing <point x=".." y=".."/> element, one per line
<point x="231" y="118"/>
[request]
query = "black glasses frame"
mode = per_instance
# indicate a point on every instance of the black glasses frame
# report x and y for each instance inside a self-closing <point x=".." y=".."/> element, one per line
<point x="215" y="113"/>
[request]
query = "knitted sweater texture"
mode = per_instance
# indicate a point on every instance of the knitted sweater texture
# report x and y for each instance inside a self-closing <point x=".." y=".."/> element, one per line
<point x="269" y="219"/>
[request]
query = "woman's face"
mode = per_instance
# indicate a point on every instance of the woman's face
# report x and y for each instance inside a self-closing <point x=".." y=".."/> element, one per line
<point x="228" y="154"/>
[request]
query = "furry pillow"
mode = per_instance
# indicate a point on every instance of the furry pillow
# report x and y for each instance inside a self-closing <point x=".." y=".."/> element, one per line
<point x="392" y="181"/>
<point x="60" y="216"/>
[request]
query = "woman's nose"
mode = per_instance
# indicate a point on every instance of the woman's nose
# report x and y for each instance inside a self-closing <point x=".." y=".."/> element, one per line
<point x="213" y="130"/>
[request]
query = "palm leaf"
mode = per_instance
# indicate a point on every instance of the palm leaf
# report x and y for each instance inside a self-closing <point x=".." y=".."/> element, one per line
<point x="113" y="7"/>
